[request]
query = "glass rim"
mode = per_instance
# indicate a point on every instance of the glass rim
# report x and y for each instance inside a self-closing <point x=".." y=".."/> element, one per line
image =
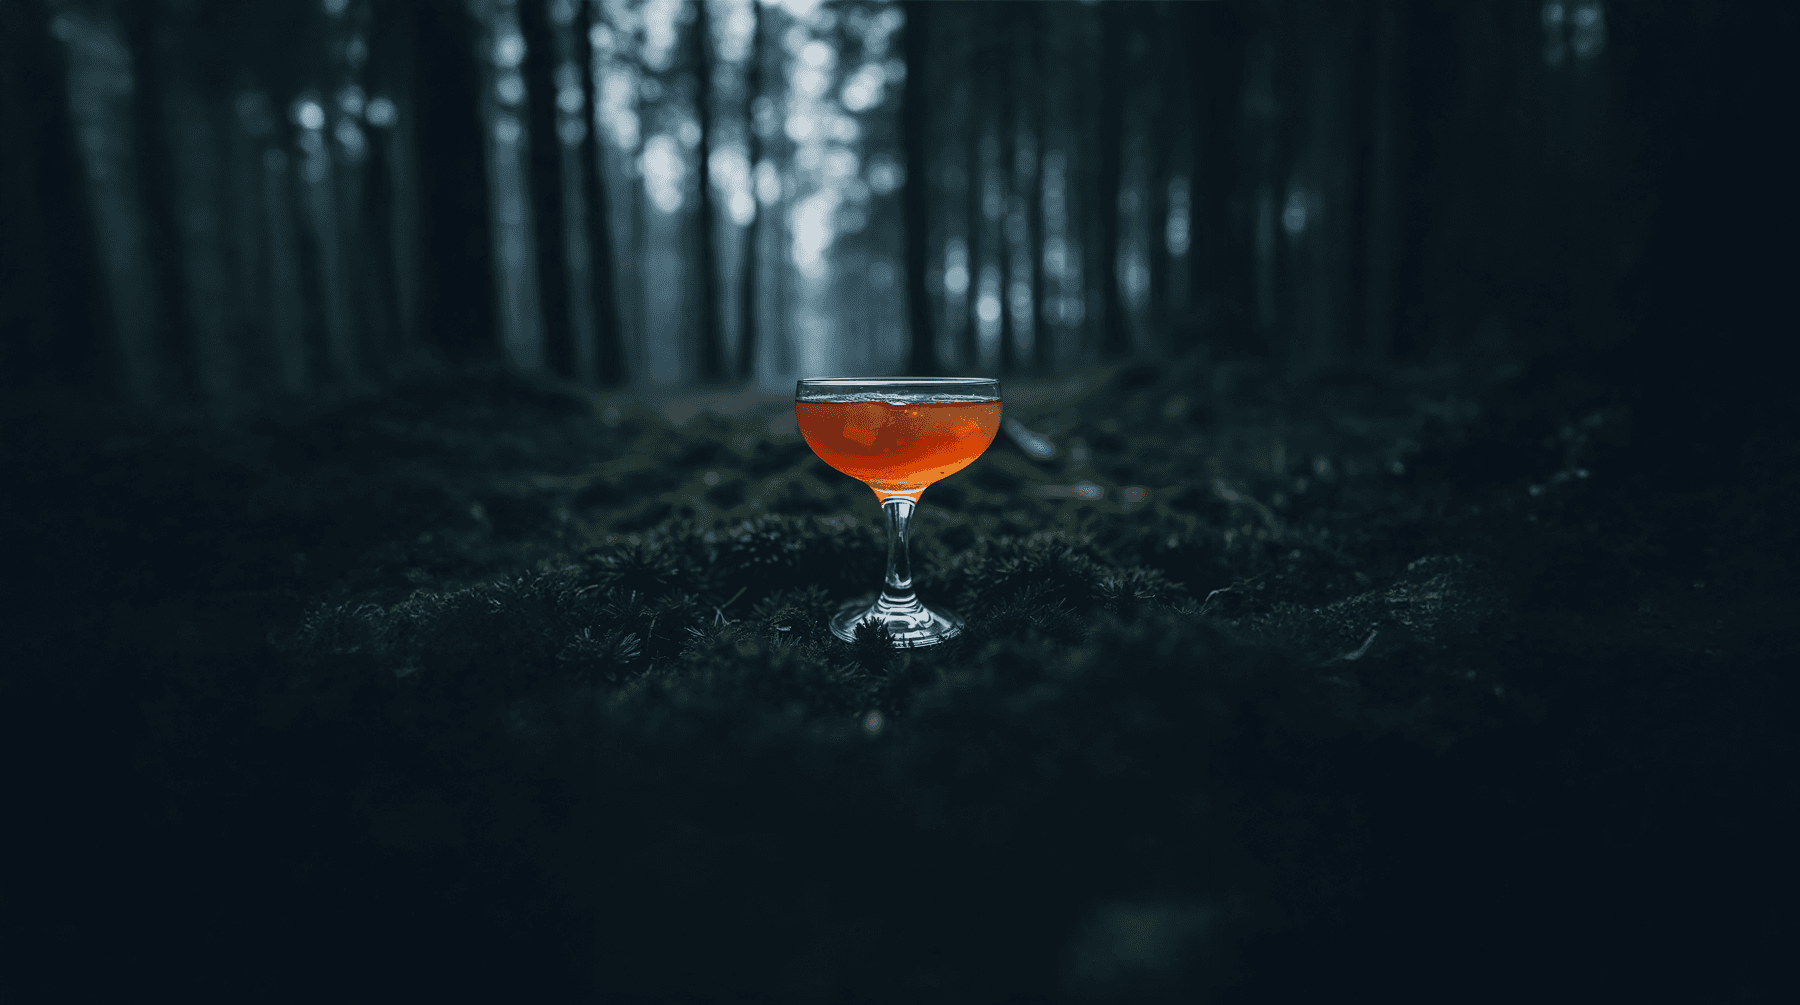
<point x="893" y="381"/>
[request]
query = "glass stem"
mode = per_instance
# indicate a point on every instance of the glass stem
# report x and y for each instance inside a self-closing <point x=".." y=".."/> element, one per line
<point x="897" y="593"/>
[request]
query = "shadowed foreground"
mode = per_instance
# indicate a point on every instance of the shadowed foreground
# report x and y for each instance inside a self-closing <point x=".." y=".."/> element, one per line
<point x="1425" y="687"/>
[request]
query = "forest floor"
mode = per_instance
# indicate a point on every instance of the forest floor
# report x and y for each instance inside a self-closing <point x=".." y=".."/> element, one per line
<point x="1436" y="684"/>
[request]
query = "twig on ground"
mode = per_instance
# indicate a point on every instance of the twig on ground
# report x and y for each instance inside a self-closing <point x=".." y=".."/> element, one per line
<point x="1358" y="652"/>
<point x="719" y="617"/>
<point x="1228" y="589"/>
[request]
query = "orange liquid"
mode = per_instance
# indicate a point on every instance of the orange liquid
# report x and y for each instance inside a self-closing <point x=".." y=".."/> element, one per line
<point x="898" y="448"/>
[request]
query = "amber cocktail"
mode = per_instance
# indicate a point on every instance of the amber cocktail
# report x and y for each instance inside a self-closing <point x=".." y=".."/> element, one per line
<point x="898" y="435"/>
<point x="898" y="448"/>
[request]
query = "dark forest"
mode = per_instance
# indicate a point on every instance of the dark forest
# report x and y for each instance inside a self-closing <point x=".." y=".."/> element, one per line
<point x="416" y="582"/>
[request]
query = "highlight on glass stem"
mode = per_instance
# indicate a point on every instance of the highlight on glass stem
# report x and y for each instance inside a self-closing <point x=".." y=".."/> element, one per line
<point x="898" y="435"/>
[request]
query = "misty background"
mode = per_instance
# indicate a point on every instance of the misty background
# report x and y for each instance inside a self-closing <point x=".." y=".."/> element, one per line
<point x="227" y="203"/>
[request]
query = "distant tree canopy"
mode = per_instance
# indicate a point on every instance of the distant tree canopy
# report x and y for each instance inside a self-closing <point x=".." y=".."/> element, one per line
<point x="220" y="201"/>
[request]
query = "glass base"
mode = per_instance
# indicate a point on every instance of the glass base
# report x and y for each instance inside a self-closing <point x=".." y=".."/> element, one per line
<point x="911" y="628"/>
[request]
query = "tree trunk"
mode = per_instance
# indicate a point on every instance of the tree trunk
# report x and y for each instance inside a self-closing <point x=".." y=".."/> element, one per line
<point x="1166" y="128"/>
<point x="972" y="192"/>
<point x="1115" y="341"/>
<point x="712" y="341"/>
<point x="922" y="355"/>
<point x="546" y="187"/>
<point x="747" y="299"/>
<point x="1382" y="219"/>
<point x="609" y="349"/>
<point x="156" y="185"/>
<point x="393" y="177"/>
<point x="455" y="290"/>
<point x="51" y="287"/>
<point x="1219" y="255"/>
<point x="1009" y="146"/>
<point x="1321" y="177"/>
<point x="1042" y="349"/>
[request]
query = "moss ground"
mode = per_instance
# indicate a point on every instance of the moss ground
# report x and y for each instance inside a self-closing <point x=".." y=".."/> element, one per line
<point x="1437" y="684"/>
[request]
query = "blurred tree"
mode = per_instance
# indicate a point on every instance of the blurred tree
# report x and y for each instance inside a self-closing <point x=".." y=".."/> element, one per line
<point x="1115" y="29"/>
<point x="1381" y="232"/>
<point x="915" y="129"/>
<point x="52" y="323"/>
<point x="455" y="289"/>
<point x="546" y="186"/>
<point x="999" y="179"/>
<point x="1169" y="123"/>
<point x="1037" y="71"/>
<point x="156" y="185"/>
<point x="609" y="358"/>
<point x="1220" y="258"/>
<point x="1317" y="204"/>
<point x="712" y="336"/>
<point x="751" y="268"/>
<point x="978" y="70"/>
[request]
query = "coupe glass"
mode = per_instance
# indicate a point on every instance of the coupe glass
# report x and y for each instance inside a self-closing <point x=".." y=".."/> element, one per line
<point x="898" y="435"/>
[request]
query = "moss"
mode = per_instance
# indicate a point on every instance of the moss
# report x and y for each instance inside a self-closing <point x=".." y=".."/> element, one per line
<point x="553" y="679"/>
